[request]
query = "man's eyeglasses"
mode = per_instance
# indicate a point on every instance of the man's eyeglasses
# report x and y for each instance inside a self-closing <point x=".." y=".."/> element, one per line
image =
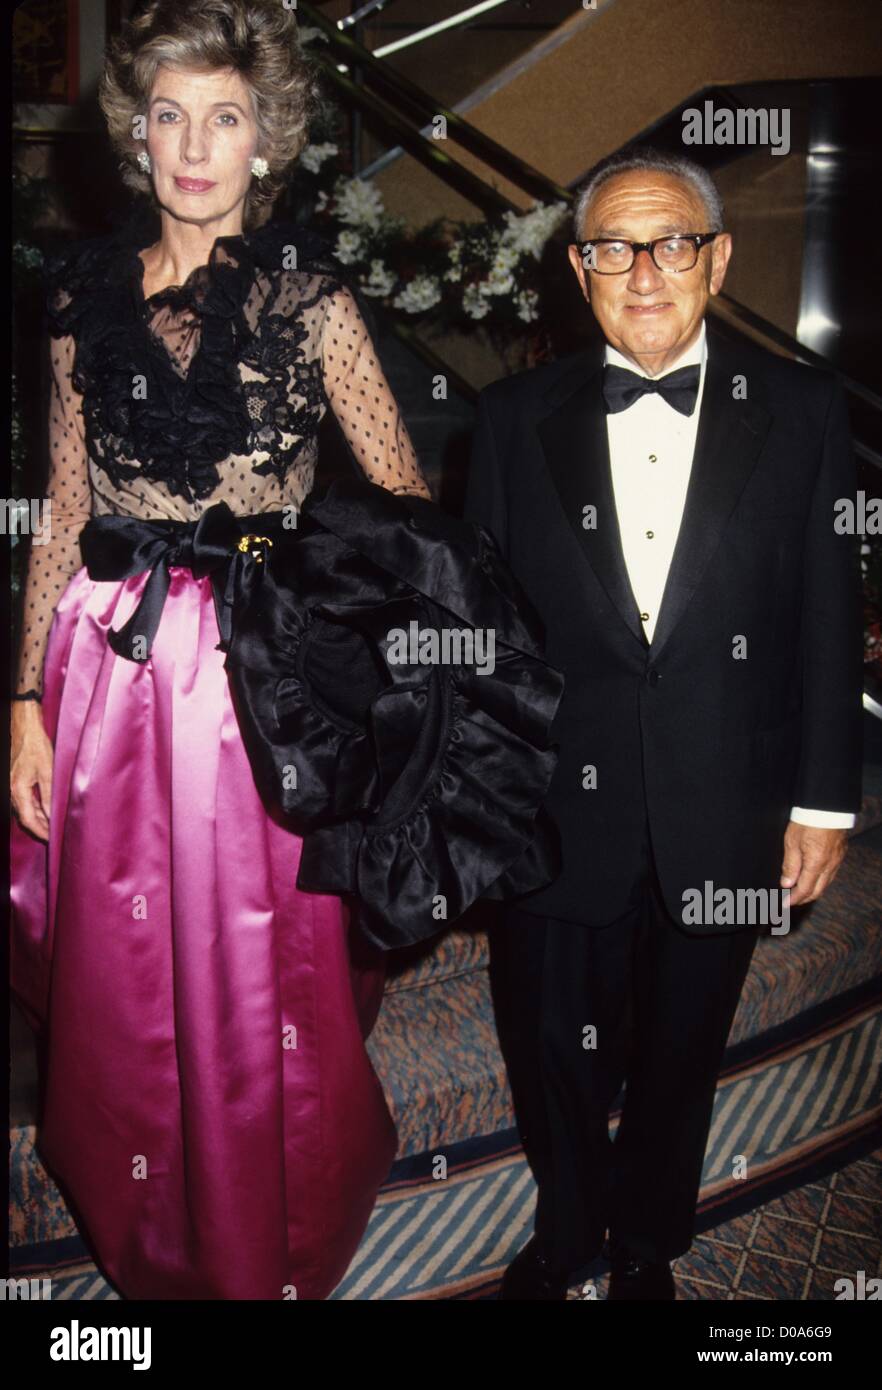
<point x="611" y="256"/>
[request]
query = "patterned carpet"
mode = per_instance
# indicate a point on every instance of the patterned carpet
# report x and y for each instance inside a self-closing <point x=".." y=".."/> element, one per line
<point x="804" y="1107"/>
<point x="792" y="1248"/>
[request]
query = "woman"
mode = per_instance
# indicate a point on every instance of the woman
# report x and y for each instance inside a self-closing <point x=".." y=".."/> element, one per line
<point x="209" y="1105"/>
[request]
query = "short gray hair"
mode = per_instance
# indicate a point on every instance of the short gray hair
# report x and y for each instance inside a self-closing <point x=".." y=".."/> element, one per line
<point x="645" y="157"/>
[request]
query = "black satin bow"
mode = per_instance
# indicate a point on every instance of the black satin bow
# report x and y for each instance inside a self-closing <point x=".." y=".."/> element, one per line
<point x="117" y="547"/>
<point x="622" y="388"/>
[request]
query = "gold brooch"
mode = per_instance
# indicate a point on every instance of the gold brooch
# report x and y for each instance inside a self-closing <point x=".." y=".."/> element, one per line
<point x="250" y="543"/>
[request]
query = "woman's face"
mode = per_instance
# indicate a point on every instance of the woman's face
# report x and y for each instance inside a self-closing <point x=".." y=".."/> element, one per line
<point x="201" y="137"/>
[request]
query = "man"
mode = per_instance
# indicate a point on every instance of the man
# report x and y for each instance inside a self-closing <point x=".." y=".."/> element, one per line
<point x="668" y="506"/>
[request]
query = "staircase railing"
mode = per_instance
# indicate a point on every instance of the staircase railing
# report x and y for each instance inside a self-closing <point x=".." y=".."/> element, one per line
<point x="413" y="103"/>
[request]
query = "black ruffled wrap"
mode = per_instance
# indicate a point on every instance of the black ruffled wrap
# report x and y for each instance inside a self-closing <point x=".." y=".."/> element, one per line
<point x="418" y="787"/>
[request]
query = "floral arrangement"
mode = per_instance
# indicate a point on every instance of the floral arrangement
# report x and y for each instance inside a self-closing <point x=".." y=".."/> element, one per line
<point x="456" y="274"/>
<point x="448" y="273"/>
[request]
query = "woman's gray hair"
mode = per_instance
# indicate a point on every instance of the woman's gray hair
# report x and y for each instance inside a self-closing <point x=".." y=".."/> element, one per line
<point x="256" y="38"/>
<point x="644" y="158"/>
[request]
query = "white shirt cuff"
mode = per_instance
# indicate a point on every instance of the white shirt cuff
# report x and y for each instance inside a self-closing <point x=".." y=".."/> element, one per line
<point x="824" y="820"/>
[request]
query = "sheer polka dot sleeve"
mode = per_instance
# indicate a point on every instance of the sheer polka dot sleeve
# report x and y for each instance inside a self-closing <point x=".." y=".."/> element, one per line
<point x="361" y="399"/>
<point x="55" y="555"/>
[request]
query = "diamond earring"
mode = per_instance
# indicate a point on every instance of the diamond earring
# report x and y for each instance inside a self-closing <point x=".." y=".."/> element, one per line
<point x="259" y="168"/>
<point x="144" y="162"/>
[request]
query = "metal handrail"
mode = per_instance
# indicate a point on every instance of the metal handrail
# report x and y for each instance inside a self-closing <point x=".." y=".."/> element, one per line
<point x="805" y="354"/>
<point x="362" y="12"/>
<point x="439" y="26"/>
<point x="425" y="107"/>
<point x="428" y="152"/>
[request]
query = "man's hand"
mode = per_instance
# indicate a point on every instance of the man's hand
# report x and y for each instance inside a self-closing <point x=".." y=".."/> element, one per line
<point x="812" y="856"/>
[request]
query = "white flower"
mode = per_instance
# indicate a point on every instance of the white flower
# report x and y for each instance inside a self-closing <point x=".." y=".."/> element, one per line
<point x="321" y="201"/>
<point x="314" y="156"/>
<point x="527" y="233"/>
<point x="358" y="203"/>
<point x="380" y="281"/>
<point x="454" y="255"/>
<point x="475" y="303"/>
<point x="419" y="293"/>
<point x="505" y="258"/>
<point x="526" y="303"/>
<point x="497" y="282"/>
<point x="348" y="247"/>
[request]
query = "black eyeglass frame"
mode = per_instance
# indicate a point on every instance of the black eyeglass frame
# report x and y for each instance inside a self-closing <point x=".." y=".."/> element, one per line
<point x="698" y="239"/>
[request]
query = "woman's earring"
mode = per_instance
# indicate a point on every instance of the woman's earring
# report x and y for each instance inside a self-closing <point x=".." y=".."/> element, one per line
<point x="144" y="161"/>
<point x="259" y="168"/>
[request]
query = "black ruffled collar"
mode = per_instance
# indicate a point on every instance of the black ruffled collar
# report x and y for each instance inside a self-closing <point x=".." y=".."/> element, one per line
<point x="181" y="427"/>
<point x="232" y="261"/>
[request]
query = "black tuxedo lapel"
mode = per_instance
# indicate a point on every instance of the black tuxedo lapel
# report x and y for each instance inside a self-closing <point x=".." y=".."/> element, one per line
<point x="574" y="438"/>
<point x="730" y="436"/>
<point x="576" y="448"/>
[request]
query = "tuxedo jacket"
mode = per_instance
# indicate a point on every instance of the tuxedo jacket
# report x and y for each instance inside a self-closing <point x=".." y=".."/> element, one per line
<point x="710" y="748"/>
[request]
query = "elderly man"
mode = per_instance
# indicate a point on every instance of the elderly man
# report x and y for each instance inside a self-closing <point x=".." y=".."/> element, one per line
<point x="667" y="504"/>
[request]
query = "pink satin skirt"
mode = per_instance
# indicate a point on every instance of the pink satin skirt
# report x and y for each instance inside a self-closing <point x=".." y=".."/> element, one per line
<point x="210" y="1110"/>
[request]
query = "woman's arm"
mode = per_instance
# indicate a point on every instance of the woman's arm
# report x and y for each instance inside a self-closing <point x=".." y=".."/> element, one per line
<point x="362" y="400"/>
<point x="54" y="557"/>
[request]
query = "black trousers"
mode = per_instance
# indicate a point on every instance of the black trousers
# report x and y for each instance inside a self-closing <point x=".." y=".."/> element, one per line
<point x="662" y="1003"/>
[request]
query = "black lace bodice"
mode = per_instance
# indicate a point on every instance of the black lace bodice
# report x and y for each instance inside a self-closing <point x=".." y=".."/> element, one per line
<point x="204" y="392"/>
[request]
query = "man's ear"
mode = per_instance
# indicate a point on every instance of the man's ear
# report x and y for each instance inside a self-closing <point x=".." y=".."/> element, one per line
<point x="575" y="258"/>
<point x="721" y="250"/>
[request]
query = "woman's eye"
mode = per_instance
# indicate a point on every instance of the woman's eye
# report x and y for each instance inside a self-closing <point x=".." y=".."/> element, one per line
<point x="225" y="117"/>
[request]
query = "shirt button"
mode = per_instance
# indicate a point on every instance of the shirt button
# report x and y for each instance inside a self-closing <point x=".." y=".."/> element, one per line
<point x="653" y="458"/>
<point x="649" y="535"/>
<point x="645" y="617"/>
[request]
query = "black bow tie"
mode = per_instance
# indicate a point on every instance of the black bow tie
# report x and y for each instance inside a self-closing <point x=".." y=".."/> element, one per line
<point x="621" y="388"/>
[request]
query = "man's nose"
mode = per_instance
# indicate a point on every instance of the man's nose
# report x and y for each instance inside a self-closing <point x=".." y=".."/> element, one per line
<point x="645" y="275"/>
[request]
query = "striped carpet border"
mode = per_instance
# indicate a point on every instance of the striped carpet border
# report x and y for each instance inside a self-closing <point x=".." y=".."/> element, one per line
<point x="799" y="1109"/>
<point x="809" y="1107"/>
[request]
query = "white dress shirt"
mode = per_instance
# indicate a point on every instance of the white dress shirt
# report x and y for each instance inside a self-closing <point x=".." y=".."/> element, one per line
<point x="651" y="447"/>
